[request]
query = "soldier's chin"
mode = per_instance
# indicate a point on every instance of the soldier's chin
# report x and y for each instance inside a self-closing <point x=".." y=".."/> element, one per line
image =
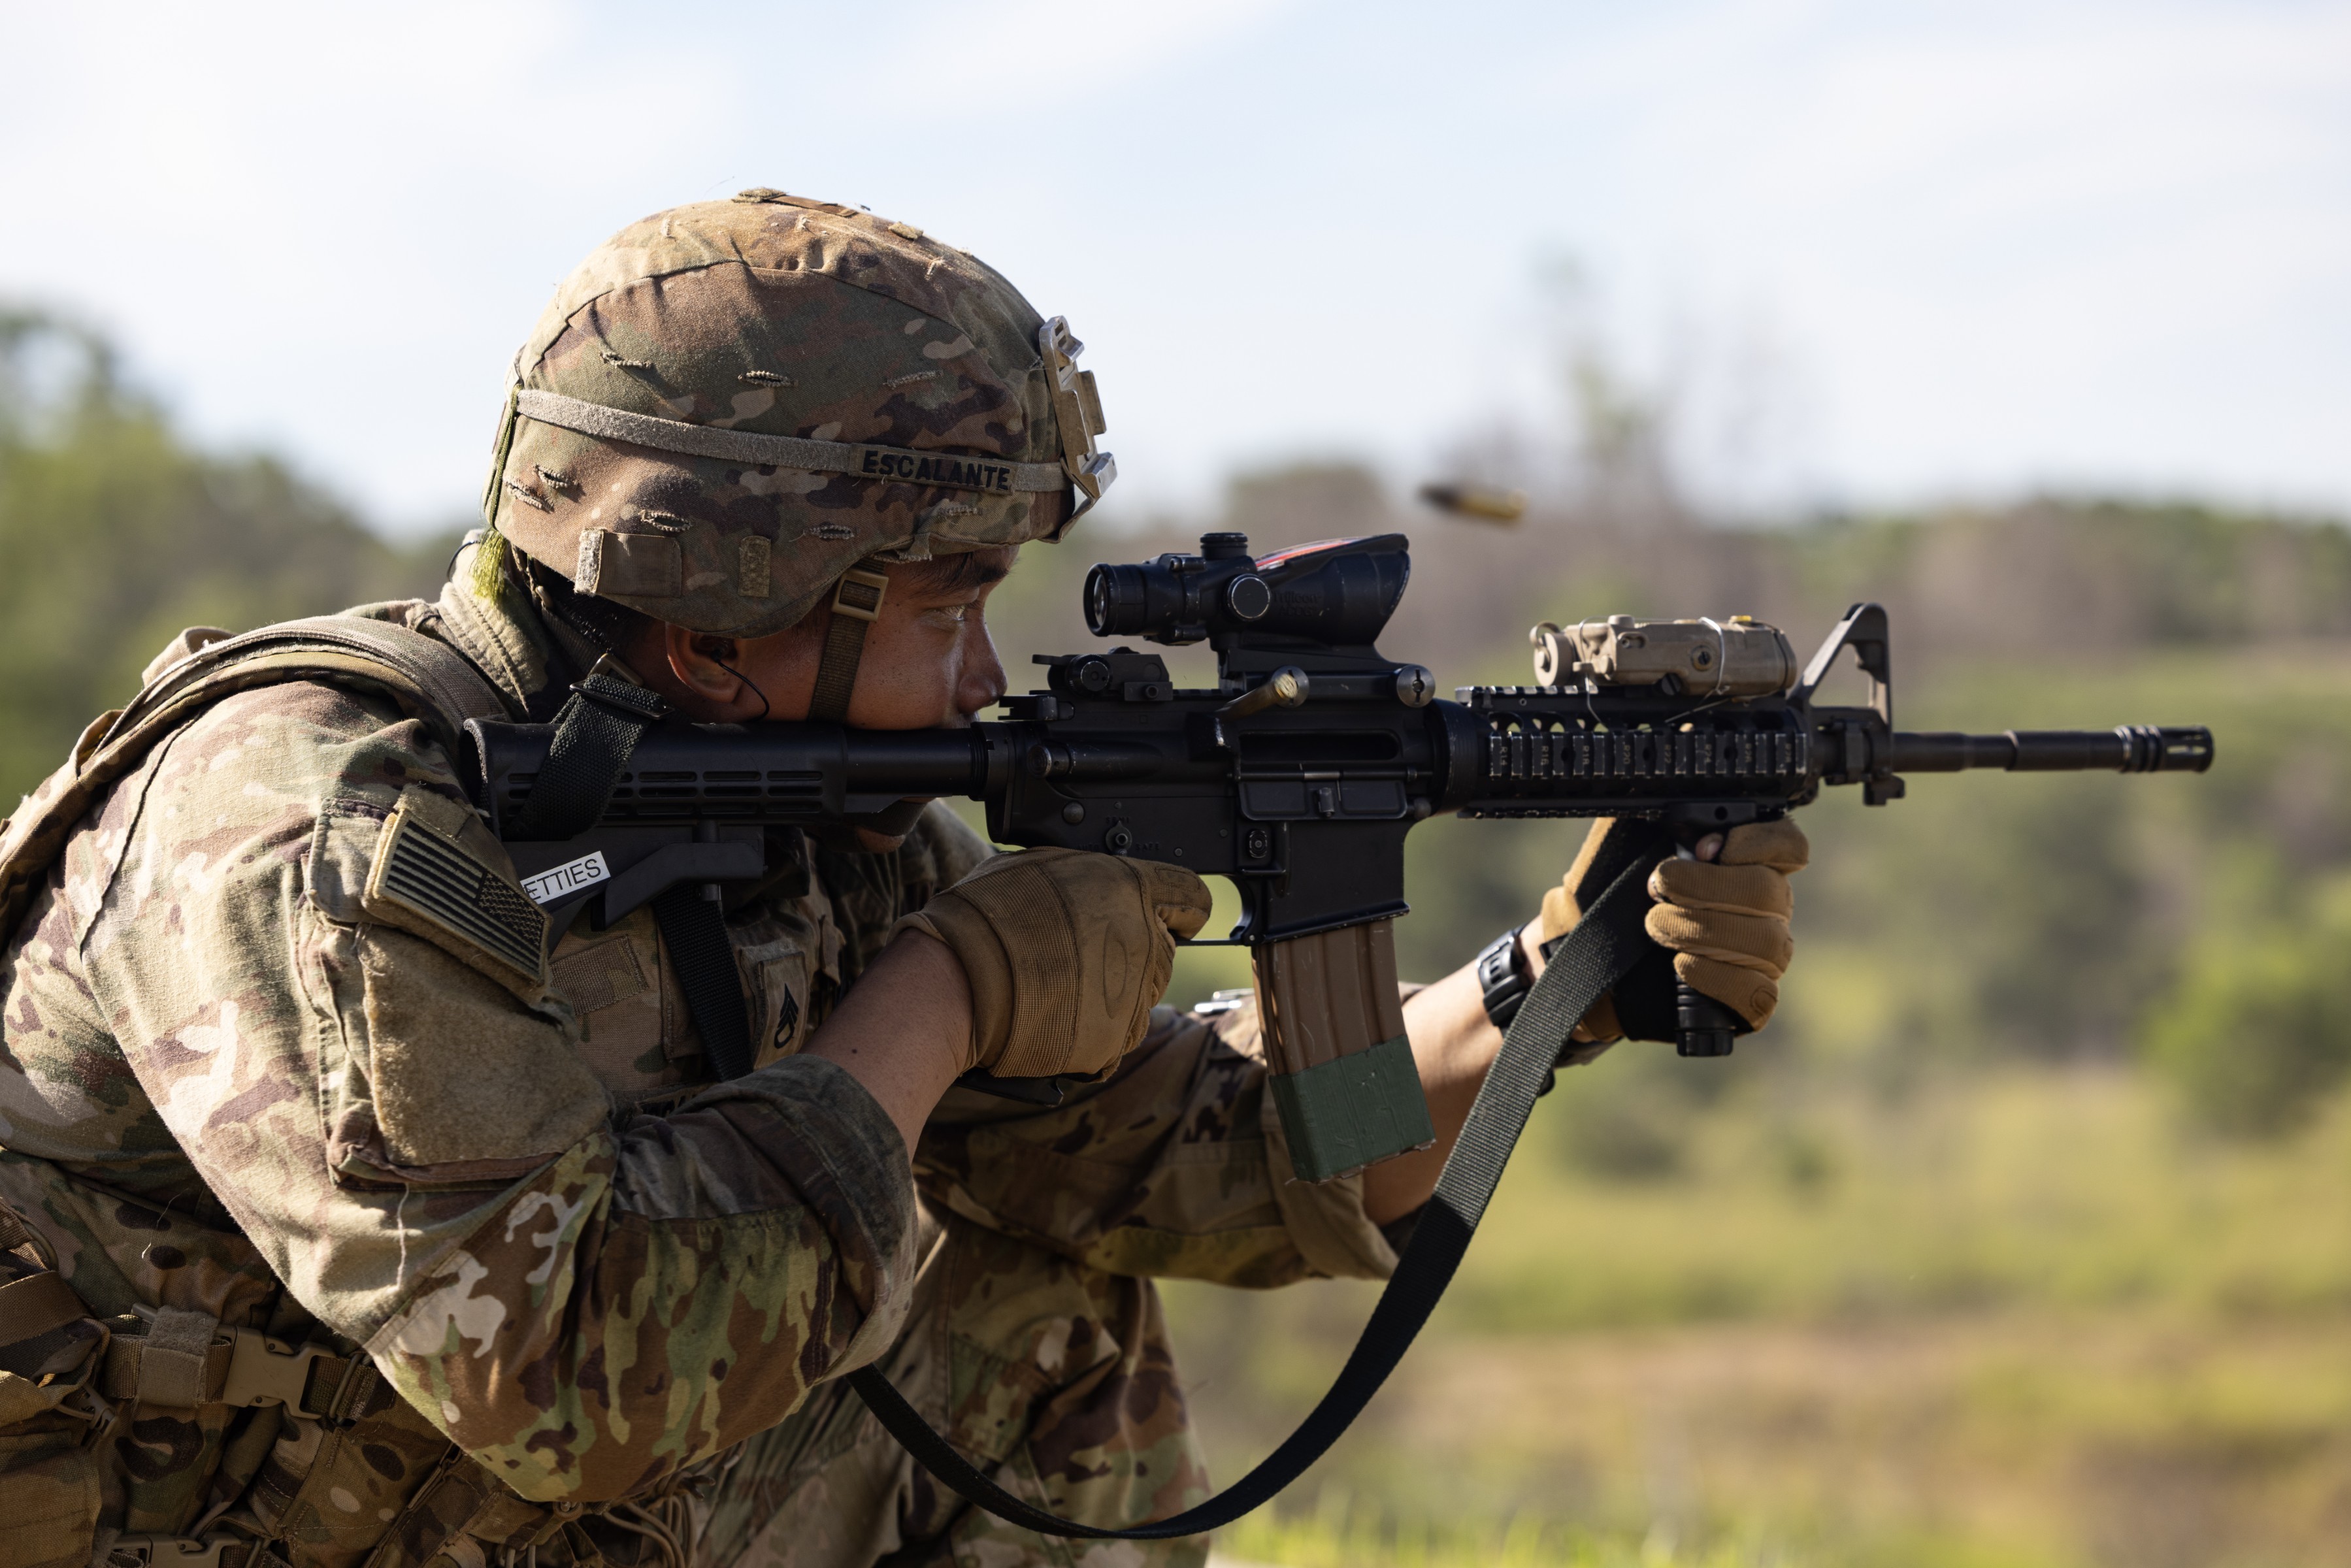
<point x="870" y="833"/>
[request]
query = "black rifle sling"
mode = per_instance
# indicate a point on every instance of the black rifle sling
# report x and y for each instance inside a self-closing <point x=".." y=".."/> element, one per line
<point x="1604" y="944"/>
<point x="595" y="735"/>
<point x="695" y="930"/>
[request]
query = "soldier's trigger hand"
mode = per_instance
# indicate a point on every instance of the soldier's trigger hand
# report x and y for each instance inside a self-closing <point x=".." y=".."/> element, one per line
<point x="1066" y="952"/>
<point x="1726" y="922"/>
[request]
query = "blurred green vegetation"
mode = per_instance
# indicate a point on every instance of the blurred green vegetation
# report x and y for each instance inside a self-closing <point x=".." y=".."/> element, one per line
<point x="2257" y="1030"/>
<point x="2023" y="1237"/>
<point x="115" y="533"/>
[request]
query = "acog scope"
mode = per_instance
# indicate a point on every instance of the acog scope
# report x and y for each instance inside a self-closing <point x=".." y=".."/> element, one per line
<point x="1337" y="591"/>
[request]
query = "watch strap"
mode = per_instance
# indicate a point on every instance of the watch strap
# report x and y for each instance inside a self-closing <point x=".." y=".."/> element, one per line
<point x="1501" y="978"/>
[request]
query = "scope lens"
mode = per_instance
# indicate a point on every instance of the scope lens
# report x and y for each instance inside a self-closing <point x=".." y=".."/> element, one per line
<point x="1115" y="601"/>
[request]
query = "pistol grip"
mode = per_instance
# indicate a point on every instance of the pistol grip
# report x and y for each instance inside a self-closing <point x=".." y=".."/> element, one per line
<point x="1703" y="1027"/>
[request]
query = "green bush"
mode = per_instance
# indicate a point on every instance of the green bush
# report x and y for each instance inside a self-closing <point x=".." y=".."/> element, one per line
<point x="2258" y="1029"/>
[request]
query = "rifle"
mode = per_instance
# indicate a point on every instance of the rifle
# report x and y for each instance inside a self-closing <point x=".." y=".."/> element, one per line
<point x="1297" y="776"/>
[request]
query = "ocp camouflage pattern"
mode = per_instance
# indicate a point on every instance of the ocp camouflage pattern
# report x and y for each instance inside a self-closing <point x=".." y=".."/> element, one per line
<point x="602" y="1275"/>
<point x="778" y="316"/>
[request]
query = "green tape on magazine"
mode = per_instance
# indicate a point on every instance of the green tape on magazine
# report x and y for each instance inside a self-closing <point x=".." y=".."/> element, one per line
<point x="1353" y="1111"/>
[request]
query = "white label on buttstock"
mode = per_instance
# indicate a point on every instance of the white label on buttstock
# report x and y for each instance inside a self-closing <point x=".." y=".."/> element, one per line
<point x="561" y="882"/>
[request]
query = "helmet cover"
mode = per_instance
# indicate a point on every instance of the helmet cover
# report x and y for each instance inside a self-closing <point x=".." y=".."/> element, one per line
<point x="729" y="406"/>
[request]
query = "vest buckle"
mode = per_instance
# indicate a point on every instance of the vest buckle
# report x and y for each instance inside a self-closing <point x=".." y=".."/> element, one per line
<point x="263" y="1372"/>
<point x="183" y="1551"/>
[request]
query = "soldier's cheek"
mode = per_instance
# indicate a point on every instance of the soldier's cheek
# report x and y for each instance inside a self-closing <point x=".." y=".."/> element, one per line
<point x="911" y="680"/>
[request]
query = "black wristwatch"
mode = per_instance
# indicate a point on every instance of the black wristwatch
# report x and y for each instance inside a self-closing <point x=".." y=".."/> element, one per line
<point x="1504" y="981"/>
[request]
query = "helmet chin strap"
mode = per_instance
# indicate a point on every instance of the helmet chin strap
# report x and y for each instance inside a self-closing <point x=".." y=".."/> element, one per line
<point x="856" y="605"/>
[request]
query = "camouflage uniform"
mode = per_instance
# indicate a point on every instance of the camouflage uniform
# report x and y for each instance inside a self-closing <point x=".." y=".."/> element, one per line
<point x="234" y="1091"/>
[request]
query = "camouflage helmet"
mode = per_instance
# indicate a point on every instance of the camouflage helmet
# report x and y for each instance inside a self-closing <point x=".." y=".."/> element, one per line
<point x="728" y="406"/>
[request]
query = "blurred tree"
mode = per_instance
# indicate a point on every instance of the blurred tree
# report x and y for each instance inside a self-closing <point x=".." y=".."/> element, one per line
<point x="1624" y="426"/>
<point x="114" y="534"/>
<point x="2258" y="1029"/>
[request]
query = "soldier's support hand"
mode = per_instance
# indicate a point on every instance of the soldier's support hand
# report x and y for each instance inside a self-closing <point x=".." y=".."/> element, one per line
<point x="1725" y="919"/>
<point x="1727" y="922"/>
<point x="1066" y="953"/>
<point x="1723" y="916"/>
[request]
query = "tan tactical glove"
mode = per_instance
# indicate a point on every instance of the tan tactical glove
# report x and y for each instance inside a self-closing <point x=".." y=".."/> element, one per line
<point x="1066" y="952"/>
<point x="1725" y="920"/>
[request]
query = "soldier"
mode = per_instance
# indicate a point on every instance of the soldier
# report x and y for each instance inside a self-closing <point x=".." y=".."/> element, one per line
<point x="393" y="1240"/>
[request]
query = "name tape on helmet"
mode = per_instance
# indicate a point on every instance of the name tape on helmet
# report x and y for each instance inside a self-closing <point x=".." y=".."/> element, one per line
<point x="938" y="468"/>
<point x="957" y="472"/>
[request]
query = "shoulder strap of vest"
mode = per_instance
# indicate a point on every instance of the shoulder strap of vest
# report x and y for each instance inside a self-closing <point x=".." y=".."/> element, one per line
<point x="423" y="675"/>
<point x="431" y="681"/>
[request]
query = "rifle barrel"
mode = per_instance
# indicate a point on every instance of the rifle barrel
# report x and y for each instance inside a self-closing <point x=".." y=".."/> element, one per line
<point x="2127" y="748"/>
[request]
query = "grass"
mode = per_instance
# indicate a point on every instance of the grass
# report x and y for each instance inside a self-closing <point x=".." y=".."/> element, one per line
<point x="1338" y="1535"/>
<point x="2021" y="1318"/>
<point x="2069" y="1187"/>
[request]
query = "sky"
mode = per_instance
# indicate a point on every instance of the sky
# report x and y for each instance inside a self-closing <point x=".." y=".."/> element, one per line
<point x="1879" y="254"/>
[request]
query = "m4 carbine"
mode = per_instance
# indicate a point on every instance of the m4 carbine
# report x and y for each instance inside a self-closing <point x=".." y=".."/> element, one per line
<point x="1297" y="776"/>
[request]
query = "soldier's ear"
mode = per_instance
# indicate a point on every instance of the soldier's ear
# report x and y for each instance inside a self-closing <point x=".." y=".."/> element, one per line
<point x="699" y="660"/>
